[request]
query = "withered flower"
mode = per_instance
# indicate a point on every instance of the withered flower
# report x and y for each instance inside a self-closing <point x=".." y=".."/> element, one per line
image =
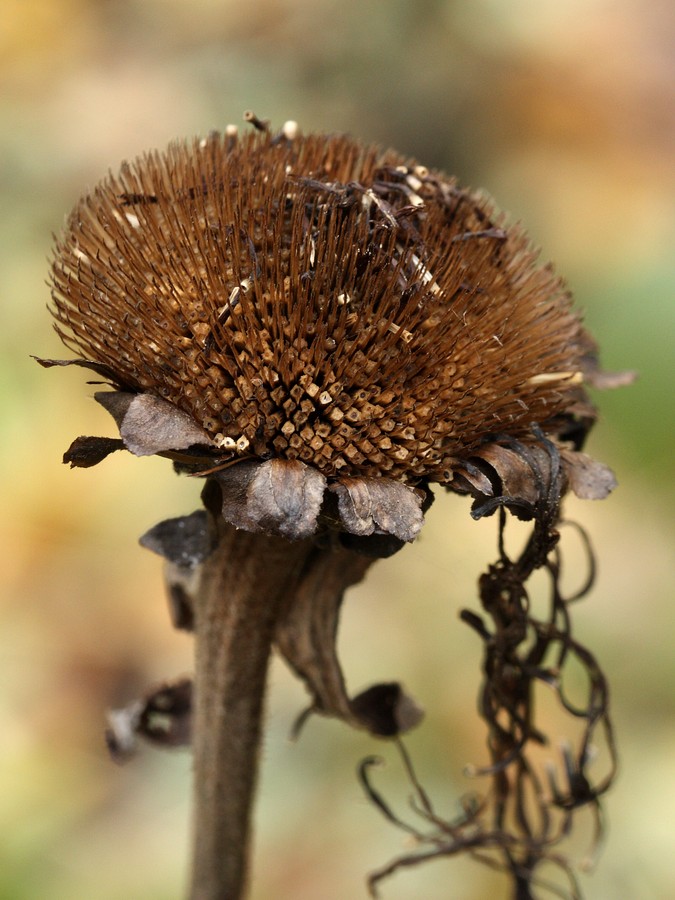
<point x="322" y="330"/>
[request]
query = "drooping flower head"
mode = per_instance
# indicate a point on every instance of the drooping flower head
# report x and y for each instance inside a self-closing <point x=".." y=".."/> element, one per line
<point x="319" y="322"/>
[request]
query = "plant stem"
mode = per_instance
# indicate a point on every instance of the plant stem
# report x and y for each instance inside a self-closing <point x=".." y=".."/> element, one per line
<point x="243" y="585"/>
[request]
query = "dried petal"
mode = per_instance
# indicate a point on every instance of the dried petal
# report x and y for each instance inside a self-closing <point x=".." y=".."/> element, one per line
<point x="589" y="479"/>
<point x="306" y="637"/>
<point x="185" y="541"/>
<point x="101" y="369"/>
<point x="163" y="717"/>
<point x="151" y="425"/>
<point x="89" y="451"/>
<point x="368" y="505"/>
<point x="275" y="497"/>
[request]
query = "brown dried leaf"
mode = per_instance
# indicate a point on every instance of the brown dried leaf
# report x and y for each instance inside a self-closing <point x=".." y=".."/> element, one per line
<point x="151" y="425"/>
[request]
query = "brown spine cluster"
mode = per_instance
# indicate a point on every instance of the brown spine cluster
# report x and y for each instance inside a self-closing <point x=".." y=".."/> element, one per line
<point x="312" y="298"/>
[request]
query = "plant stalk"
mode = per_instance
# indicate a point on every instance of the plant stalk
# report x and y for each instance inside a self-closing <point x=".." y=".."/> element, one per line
<point x="242" y="588"/>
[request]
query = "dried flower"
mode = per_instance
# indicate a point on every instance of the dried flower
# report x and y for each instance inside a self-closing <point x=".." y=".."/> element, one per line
<point x="326" y="327"/>
<point x="323" y="330"/>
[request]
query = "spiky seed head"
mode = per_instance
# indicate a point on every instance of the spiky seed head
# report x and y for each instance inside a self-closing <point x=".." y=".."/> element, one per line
<point x="311" y="298"/>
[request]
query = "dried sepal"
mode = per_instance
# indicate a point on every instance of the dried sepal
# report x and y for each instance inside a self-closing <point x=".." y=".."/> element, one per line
<point x="287" y="497"/>
<point x="518" y="475"/>
<point x="185" y="543"/>
<point x="386" y="709"/>
<point x="514" y="473"/>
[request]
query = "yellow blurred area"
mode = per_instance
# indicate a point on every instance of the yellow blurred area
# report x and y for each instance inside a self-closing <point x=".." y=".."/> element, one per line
<point x="563" y="112"/>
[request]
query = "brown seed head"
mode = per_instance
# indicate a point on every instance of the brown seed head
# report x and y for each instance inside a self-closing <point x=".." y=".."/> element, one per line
<point x="310" y="298"/>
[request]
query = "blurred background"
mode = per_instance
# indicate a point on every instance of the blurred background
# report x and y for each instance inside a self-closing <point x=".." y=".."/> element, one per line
<point x="563" y="111"/>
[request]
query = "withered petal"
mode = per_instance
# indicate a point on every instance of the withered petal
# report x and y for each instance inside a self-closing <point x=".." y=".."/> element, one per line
<point x="386" y="710"/>
<point x="185" y="541"/>
<point x="588" y="478"/>
<point x="89" y="451"/>
<point x="151" y="425"/>
<point x="306" y="636"/>
<point x="163" y="717"/>
<point x="609" y="380"/>
<point x="100" y="368"/>
<point x="369" y="505"/>
<point x="275" y="497"/>
<point x="470" y="479"/>
<point x="515" y="473"/>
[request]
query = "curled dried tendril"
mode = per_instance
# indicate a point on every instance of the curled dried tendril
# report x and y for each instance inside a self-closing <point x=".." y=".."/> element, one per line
<point x="522" y="820"/>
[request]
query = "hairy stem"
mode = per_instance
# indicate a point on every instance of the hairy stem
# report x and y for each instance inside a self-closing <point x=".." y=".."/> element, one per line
<point x="242" y="589"/>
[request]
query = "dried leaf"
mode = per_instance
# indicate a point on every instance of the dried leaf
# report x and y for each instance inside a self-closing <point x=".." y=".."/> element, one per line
<point x="89" y="451"/>
<point x="150" y="425"/>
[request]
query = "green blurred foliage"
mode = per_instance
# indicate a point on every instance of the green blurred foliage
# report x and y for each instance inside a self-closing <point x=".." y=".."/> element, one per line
<point x="564" y="113"/>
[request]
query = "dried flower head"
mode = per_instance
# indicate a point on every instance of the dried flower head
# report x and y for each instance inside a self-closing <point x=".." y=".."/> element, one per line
<point x="341" y="323"/>
<point x="323" y="330"/>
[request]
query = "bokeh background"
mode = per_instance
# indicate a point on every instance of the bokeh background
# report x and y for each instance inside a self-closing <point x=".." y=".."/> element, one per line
<point x="563" y="110"/>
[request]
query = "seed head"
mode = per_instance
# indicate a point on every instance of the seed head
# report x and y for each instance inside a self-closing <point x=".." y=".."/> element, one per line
<point x="309" y="299"/>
